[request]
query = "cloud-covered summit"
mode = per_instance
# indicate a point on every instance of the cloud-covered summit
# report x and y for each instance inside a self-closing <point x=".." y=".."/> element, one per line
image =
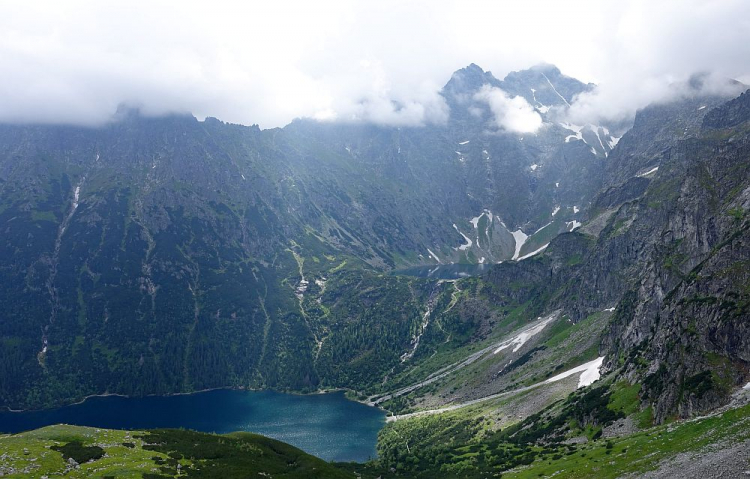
<point x="519" y="103"/>
<point x="380" y="62"/>
<point x="511" y="114"/>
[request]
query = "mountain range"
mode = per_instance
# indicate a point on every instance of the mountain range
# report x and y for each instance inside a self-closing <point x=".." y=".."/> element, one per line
<point x="164" y="255"/>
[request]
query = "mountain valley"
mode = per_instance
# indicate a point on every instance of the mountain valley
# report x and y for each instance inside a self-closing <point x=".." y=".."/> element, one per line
<point x="607" y="324"/>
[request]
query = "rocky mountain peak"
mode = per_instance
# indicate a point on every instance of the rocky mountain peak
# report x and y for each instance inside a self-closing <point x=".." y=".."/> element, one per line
<point x="547" y="68"/>
<point x="467" y="81"/>
<point x="544" y="86"/>
<point x="730" y="114"/>
<point x="128" y="114"/>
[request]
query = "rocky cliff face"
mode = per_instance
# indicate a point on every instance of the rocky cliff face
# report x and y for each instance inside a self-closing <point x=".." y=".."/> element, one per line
<point x="673" y="257"/>
<point x="665" y="245"/>
<point x="688" y="317"/>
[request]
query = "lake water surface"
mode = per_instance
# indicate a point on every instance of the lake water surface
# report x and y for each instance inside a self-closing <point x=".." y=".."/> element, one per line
<point x="326" y="425"/>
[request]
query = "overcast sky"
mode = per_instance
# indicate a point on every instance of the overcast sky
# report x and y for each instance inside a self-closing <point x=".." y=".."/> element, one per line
<point x="269" y="62"/>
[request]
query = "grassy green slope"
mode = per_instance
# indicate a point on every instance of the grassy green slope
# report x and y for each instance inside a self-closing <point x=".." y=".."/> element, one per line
<point x="460" y="445"/>
<point x="103" y="453"/>
<point x="644" y="451"/>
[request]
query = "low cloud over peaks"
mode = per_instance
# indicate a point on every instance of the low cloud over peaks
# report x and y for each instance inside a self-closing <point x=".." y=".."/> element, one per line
<point x="616" y="103"/>
<point x="380" y="62"/>
<point x="513" y="115"/>
<point x="366" y="93"/>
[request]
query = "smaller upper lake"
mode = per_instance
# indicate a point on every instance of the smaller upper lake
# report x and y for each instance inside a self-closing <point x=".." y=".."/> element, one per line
<point x="326" y="425"/>
<point x="444" y="271"/>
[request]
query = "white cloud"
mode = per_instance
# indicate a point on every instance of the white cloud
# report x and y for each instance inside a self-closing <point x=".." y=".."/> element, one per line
<point x="653" y="47"/>
<point x="514" y="115"/>
<point x="365" y="93"/>
<point x="380" y="61"/>
<point x="617" y="102"/>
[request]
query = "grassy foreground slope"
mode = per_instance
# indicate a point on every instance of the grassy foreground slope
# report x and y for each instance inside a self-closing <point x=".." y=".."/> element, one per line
<point x="689" y="444"/>
<point x="83" y="452"/>
<point x="711" y="446"/>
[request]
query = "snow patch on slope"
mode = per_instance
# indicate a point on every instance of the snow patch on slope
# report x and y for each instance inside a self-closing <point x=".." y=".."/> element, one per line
<point x="76" y="195"/>
<point x="590" y="373"/>
<point x="555" y="90"/>
<point x="475" y="223"/>
<point x="652" y="170"/>
<point x="433" y="255"/>
<point x="574" y="128"/>
<point x="529" y="255"/>
<point x="596" y="130"/>
<point x="520" y="238"/>
<point x="468" y="244"/>
<point x="521" y="338"/>
<point x="540" y="229"/>
<point x="610" y="140"/>
<point x="572" y="225"/>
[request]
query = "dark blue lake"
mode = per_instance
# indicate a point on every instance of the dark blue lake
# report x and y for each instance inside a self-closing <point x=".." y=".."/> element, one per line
<point x="326" y="425"/>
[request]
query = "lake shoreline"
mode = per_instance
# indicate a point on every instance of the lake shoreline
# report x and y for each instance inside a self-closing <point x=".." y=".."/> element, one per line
<point x="188" y="393"/>
<point x="326" y="423"/>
